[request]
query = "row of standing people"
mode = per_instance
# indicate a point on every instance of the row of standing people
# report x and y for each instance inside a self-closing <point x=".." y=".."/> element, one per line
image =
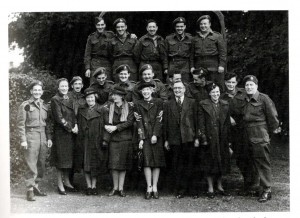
<point x="179" y="51"/>
<point x="99" y="127"/>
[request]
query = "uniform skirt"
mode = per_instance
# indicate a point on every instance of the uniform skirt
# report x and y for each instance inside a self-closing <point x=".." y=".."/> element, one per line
<point x="153" y="154"/>
<point x="120" y="155"/>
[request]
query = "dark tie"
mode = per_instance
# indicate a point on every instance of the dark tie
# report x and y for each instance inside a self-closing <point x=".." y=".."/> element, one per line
<point x="179" y="103"/>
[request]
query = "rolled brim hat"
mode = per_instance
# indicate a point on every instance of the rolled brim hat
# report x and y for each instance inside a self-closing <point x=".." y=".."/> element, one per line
<point x="34" y="83"/>
<point x="250" y="78"/>
<point x="179" y="20"/>
<point x="145" y="67"/>
<point x="119" y="20"/>
<point x="99" y="71"/>
<point x="202" y="18"/>
<point x="122" y="68"/>
<point x="89" y="91"/>
<point x="145" y="84"/>
<point x="74" y="79"/>
<point x="118" y="90"/>
<point x="201" y="72"/>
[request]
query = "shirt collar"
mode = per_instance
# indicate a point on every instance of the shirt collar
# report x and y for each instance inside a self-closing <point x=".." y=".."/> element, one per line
<point x="181" y="98"/>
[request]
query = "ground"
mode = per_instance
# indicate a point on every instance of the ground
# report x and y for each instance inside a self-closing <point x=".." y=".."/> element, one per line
<point x="134" y="202"/>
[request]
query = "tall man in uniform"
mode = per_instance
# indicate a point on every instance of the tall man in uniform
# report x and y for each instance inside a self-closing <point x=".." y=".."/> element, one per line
<point x="179" y="50"/>
<point x="260" y="117"/>
<point x="35" y="138"/>
<point x="209" y="51"/>
<point x="76" y="94"/>
<point x="150" y="49"/>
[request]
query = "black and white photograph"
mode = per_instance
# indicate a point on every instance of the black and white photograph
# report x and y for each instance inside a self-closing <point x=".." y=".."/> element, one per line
<point x="151" y="110"/>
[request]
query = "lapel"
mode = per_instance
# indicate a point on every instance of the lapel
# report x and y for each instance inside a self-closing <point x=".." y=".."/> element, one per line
<point x="207" y="106"/>
<point x="88" y="116"/>
<point x="173" y="107"/>
<point x="185" y="107"/>
<point x="145" y="104"/>
<point x="224" y="106"/>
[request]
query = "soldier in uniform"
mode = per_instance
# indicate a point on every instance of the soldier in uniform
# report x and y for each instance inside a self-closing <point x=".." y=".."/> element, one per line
<point x="179" y="50"/>
<point x="209" y="51"/>
<point x="96" y="50"/>
<point x="102" y="85"/>
<point x="35" y="138"/>
<point x="159" y="90"/>
<point x="121" y="49"/>
<point x="260" y="117"/>
<point x="76" y="95"/>
<point x="197" y="89"/>
<point x="150" y="49"/>
<point x="235" y="96"/>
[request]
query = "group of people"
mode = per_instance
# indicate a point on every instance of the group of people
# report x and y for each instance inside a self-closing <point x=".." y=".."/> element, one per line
<point x="184" y="125"/>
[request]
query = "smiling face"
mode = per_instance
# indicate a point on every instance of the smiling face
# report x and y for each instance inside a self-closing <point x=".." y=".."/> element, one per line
<point x="205" y="25"/>
<point x="215" y="94"/>
<point x="180" y="28"/>
<point x="63" y="87"/>
<point x="147" y="75"/>
<point x="101" y="78"/>
<point x="152" y="28"/>
<point x="121" y="28"/>
<point x="90" y="100"/>
<point x="146" y="92"/>
<point x="37" y="92"/>
<point x="77" y="86"/>
<point x="100" y="26"/>
<point x="251" y="87"/>
<point x="179" y="89"/>
<point x="199" y="81"/>
<point x="231" y="84"/>
<point x="124" y="76"/>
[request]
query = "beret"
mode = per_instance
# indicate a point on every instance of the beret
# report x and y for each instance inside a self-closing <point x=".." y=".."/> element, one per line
<point x="145" y="84"/>
<point x="145" y="67"/>
<point x="201" y="72"/>
<point x="119" y="20"/>
<point x="202" y="18"/>
<point x="89" y="91"/>
<point x="211" y="86"/>
<point x="99" y="71"/>
<point x="34" y="83"/>
<point x="118" y="90"/>
<point x="75" y="78"/>
<point x="98" y="19"/>
<point x="123" y="67"/>
<point x="179" y="20"/>
<point x="250" y="78"/>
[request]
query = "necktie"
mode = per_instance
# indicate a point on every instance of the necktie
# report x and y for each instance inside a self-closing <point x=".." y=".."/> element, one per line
<point x="179" y="104"/>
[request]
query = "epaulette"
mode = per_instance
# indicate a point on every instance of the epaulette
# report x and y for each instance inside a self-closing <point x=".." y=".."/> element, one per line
<point x="170" y="36"/>
<point x="134" y="82"/>
<point x="188" y="34"/>
<point x="157" y="80"/>
<point x="109" y="33"/>
<point x="109" y="81"/>
<point x="93" y="33"/>
<point x="217" y="33"/>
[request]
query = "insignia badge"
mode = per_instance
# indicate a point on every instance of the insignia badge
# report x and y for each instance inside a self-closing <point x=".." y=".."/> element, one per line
<point x="180" y="19"/>
<point x="201" y="71"/>
<point x="251" y="77"/>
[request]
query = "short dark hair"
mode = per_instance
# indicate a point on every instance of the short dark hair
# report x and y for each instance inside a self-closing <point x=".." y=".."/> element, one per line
<point x="61" y="80"/>
<point x="151" y="21"/>
<point x="231" y="75"/>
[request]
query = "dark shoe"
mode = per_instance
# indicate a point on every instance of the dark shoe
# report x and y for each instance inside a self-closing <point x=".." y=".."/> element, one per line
<point x="38" y="192"/>
<point x="94" y="191"/>
<point x="69" y="189"/>
<point x="89" y="191"/>
<point x="148" y="195"/>
<point x="265" y="196"/>
<point x="30" y="196"/>
<point x="179" y="196"/>
<point x="122" y="193"/>
<point x="210" y="195"/>
<point x="112" y="192"/>
<point x="155" y="195"/>
<point x="61" y="192"/>
<point x="223" y="193"/>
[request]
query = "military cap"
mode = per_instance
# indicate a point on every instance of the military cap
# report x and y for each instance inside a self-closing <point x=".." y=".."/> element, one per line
<point x="201" y="72"/>
<point x="34" y="83"/>
<point x="145" y="84"/>
<point x="118" y="90"/>
<point x="123" y="67"/>
<point x="202" y="18"/>
<point x="99" y="71"/>
<point x="250" y="78"/>
<point x="89" y="91"/>
<point x="179" y="20"/>
<point x="211" y="86"/>
<point x="119" y="20"/>
<point x="98" y="19"/>
<point x="145" y="67"/>
<point x="75" y="78"/>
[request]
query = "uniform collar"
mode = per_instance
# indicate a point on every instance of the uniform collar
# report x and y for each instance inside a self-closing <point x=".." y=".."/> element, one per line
<point x="179" y="37"/>
<point x="254" y="97"/>
<point x="204" y="35"/>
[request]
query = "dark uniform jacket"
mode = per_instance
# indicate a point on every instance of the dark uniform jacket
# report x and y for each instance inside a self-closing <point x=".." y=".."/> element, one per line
<point x="118" y="49"/>
<point x="103" y="91"/>
<point x="170" y="91"/>
<point x="97" y="47"/>
<point x="180" y="128"/>
<point x="159" y="90"/>
<point x="146" y="50"/>
<point x="78" y="100"/>
<point x="179" y="49"/>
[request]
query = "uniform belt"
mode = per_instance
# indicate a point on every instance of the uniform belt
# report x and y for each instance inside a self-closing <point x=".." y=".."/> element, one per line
<point x="206" y="57"/>
<point x="259" y="123"/>
<point x="99" y="57"/>
<point x="178" y="59"/>
<point x="151" y="60"/>
<point x="35" y="129"/>
<point x="123" y="58"/>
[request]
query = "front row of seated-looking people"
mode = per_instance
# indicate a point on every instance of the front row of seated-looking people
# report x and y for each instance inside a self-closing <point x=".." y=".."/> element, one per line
<point x="93" y="137"/>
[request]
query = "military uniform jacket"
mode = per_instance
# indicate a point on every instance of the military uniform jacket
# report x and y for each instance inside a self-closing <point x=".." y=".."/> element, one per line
<point x="151" y="123"/>
<point x="119" y="49"/>
<point x="160" y="90"/>
<point x="179" y="49"/>
<point x="212" y="45"/>
<point x="180" y="127"/>
<point x="197" y="92"/>
<point x="147" y="50"/>
<point x="103" y="91"/>
<point x="78" y="100"/>
<point x="97" y="47"/>
<point x="32" y="117"/>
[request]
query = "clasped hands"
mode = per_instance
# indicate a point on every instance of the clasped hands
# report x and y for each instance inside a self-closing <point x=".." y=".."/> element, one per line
<point x="110" y="128"/>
